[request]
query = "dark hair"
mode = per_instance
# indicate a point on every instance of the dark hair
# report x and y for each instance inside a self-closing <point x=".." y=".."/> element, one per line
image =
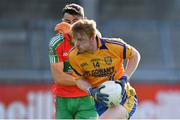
<point x="73" y="9"/>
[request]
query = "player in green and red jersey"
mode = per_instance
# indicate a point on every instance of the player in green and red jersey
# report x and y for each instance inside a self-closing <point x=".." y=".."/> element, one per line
<point x="71" y="102"/>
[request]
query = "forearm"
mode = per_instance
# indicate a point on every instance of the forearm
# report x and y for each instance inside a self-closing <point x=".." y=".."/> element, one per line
<point x="132" y="64"/>
<point x="83" y="85"/>
<point x="61" y="77"/>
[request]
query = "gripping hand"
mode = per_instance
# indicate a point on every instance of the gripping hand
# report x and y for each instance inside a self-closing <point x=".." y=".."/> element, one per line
<point x="98" y="96"/>
<point x="62" y="28"/>
<point x="122" y="81"/>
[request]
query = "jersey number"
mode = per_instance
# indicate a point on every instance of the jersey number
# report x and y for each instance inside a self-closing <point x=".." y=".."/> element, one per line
<point x="96" y="64"/>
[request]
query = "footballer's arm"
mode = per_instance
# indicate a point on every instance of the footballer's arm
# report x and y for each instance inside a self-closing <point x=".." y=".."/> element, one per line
<point x="83" y="85"/>
<point x="132" y="63"/>
<point x="59" y="76"/>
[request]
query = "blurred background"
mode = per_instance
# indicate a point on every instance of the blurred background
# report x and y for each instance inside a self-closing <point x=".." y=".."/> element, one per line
<point x="151" y="26"/>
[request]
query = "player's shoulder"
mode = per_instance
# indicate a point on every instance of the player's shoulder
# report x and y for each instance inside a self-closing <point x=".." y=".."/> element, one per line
<point x="115" y="41"/>
<point x="54" y="43"/>
<point x="56" y="40"/>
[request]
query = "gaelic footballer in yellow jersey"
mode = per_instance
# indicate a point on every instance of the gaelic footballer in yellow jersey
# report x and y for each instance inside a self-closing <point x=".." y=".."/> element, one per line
<point x="106" y="63"/>
<point x="95" y="60"/>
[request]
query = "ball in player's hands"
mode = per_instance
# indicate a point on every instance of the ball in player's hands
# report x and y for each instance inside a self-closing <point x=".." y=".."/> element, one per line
<point x="114" y="91"/>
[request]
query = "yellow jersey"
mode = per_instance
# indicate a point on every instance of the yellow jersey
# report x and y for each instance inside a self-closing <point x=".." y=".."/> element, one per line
<point x="106" y="63"/>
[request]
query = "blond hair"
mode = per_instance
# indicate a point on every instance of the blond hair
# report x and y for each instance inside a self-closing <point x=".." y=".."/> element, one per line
<point x="86" y="26"/>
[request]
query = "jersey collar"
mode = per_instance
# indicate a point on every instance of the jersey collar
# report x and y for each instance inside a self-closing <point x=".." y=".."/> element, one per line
<point x="101" y="43"/>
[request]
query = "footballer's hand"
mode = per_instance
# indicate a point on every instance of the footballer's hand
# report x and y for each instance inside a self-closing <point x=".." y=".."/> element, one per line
<point x="62" y="28"/>
<point x="122" y="81"/>
<point x="98" y="96"/>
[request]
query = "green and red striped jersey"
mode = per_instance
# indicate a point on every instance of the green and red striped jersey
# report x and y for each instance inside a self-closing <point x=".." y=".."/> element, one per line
<point x="59" y="48"/>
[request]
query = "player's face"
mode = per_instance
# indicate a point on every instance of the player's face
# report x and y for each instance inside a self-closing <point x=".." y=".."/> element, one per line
<point x="71" y="18"/>
<point x="83" y="42"/>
